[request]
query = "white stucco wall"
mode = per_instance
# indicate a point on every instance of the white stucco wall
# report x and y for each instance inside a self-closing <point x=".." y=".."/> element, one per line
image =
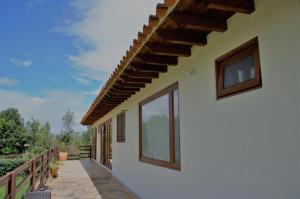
<point x="244" y="146"/>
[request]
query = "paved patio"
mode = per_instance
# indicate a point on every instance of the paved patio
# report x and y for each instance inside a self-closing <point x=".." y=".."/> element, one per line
<point x="87" y="180"/>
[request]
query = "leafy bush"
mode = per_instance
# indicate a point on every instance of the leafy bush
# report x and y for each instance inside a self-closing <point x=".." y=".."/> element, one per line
<point x="7" y="165"/>
<point x="35" y="150"/>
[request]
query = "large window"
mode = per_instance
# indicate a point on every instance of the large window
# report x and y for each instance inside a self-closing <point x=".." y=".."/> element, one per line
<point x="239" y="70"/>
<point x="159" y="128"/>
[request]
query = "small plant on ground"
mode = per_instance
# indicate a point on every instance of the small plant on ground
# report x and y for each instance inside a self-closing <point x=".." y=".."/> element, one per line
<point x="53" y="167"/>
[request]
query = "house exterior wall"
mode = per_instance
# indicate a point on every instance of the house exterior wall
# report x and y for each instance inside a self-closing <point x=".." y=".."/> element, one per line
<point x="244" y="146"/>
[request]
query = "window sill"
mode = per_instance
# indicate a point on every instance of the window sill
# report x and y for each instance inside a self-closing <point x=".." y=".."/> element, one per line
<point x="161" y="163"/>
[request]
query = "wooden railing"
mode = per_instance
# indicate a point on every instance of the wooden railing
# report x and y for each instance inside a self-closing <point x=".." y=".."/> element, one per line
<point x="28" y="177"/>
<point x="83" y="153"/>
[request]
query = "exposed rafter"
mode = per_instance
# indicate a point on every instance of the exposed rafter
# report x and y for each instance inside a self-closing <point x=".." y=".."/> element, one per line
<point x="158" y="59"/>
<point x="242" y="6"/>
<point x="176" y="26"/>
<point x="199" y="23"/>
<point x="170" y="49"/>
<point x="132" y="73"/>
<point x="187" y="37"/>
<point x="149" y="67"/>
<point x="135" y="80"/>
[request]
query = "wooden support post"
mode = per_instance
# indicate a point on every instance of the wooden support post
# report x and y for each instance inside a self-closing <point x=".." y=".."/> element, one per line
<point x="90" y="153"/>
<point x="33" y="170"/>
<point x="42" y="178"/>
<point x="12" y="189"/>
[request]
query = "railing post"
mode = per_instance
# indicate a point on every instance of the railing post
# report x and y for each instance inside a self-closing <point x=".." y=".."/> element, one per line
<point x="42" y="178"/>
<point x="33" y="175"/>
<point x="90" y="153"/>
<point x="12" y="188"/>
<point x="48" y="161"/>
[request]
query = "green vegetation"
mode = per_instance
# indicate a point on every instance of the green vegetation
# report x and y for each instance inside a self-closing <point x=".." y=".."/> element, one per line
<point x="7" y="165"/>
<point x="13" y="134"/>
<point x="33" y="138"/>
<point x="22" y="191"/>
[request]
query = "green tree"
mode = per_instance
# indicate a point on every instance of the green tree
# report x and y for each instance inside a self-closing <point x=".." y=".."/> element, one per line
<point x="86" y="136"/>
<point x="68" y="123"/>
<point x="46" y="138"/>
<point x="41" y="134"/>
<point x="33" y="128"/>
<point x="13" y="135"/>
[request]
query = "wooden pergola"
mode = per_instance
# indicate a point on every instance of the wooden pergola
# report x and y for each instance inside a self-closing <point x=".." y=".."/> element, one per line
<point x="177" y="26"/>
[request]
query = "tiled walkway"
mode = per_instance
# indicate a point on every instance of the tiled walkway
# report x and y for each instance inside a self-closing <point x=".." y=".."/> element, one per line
<point x="86" y="179"/>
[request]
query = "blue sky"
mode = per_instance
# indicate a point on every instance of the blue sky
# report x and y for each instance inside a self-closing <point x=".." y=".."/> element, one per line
<point x="56" y="54"/>
<point x="28" y="36"/>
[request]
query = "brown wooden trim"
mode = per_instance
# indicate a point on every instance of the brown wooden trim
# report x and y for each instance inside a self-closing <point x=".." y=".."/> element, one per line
<point x="177" y="26"/>
<point x="200" y="23"/>
<point x="168" y="164"/>
<point x="121" y="127"/>
<point x="159" y="94"/>
<point x="237" y="54"/>
<point x="105" y="143"/>
<point x="242" y="6"/>
<point x="160" y="163"/>
<point x="183" y="37"/>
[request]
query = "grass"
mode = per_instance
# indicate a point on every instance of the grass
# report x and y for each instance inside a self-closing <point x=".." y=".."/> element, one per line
<point x="22" y="191"/>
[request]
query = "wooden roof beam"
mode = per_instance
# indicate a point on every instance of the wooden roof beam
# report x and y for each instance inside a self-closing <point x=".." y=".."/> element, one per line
<point x="135" y="80"/>
<point x="170" y="49"/>
<point x="186" y="37"/>
<point x="120" y="88"/>
<point x="149" y="67"/>
<point x="242" y="6"/>
<point x="106" y="101"/>
<point x="132" y="73"/>
<point x="199" y="23"/>
<point x="161" y="9"/>
<point x="153" y="21"/>
<point x="130" y="85"/>
<point x="119" y="94"/>
<point x="158" y="59"/>
<point x="114" y="101"/>
<point x="114" y="91"/>
<point x="110" y="104"/>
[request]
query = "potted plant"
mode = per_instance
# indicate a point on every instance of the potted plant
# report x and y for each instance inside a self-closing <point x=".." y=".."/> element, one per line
<point x="62" y="154"/>
<point x="53" y="167"/>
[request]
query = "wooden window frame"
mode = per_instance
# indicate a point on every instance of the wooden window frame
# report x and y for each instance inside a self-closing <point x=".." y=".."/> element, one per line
<point x="167" y="164"/>
<point x="94" y="143"/>
<point x="237" y="54"/>
<point x="121" y="131"/>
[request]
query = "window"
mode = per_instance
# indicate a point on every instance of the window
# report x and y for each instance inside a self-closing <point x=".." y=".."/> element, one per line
<point x="121" y="127"/>
<point x="239" y="70"/>
<point x="159" y="129"/>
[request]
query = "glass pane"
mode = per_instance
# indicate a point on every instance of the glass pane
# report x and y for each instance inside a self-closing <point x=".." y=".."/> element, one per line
<point x="176" y="126"/>
<point x="155" y="124"/>
<point x="240" y="71"/>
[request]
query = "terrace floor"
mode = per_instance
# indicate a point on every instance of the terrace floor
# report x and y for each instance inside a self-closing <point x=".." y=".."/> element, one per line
<point x="88" y="180"/>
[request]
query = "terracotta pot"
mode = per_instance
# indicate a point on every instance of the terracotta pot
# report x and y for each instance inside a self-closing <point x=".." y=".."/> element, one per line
<point x="54" y="173"/>
<point x="63" y="156"/>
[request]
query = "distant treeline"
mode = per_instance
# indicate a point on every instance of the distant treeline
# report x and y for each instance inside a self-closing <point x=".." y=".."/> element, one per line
<point x="17" y="137"/>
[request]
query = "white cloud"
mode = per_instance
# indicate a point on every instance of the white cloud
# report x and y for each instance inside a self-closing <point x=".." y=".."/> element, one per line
<point x="5" y="81"/>
<point x="91" y="93"/>
<point x="108" y="28"/>
<point x="21" y="63"/>
<point x="49" y="107"/>
<point x="82" y="80"/>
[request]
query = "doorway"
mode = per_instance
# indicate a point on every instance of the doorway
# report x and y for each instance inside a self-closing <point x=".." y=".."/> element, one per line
<point x="106" y="144"/>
